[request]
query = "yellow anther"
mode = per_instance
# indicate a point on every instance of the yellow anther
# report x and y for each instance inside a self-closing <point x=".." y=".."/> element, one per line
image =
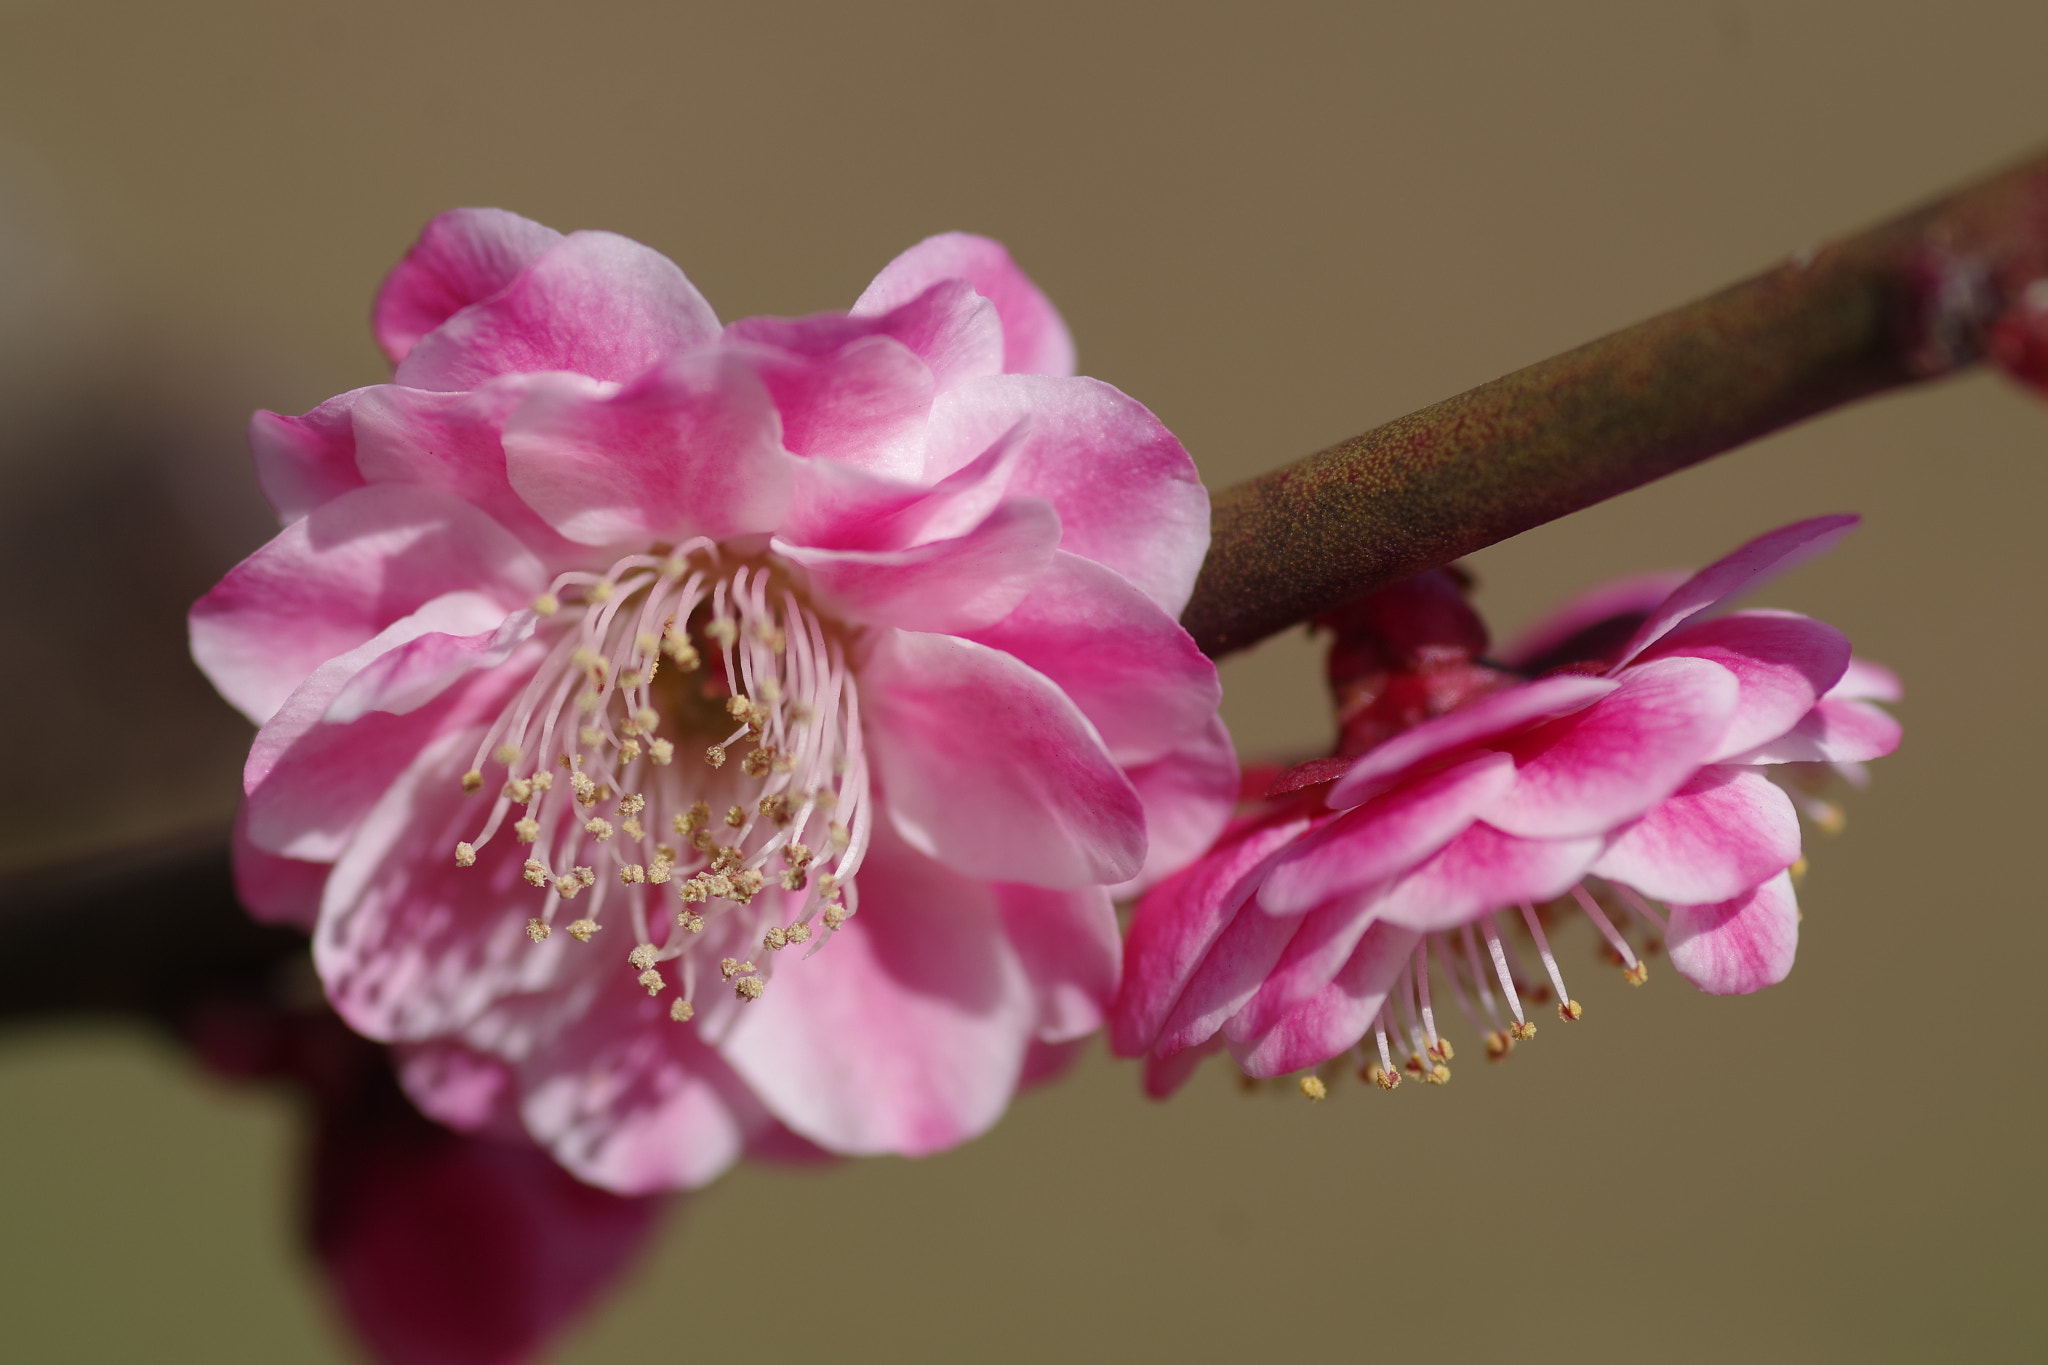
<point x="465" y="855"/>
<point x="647" y="718"/>
<point x="681" y="1010"/>
<point x="1498" y="1045"/>
<point x="723" y="631"/>
<point x="632" y="874"/>
<point x="659" y="871"/>
<point x="585" y="875"/>
<point x="841" y="837"/>
<point x="507" y="754"/>
<point x="1638" y="974"/>
<point x="535" y="872"/>
<point x="758" y="761"/>
<point x="1797" y="871"/>
<point x="1414" y="1065"/>
<point x="695" y="890"/>
<point x="1521" y="1031"/>
<point x="1313" y="1087"/>
<point x="693" y="923"/>
<point x="745" y="883"/>
<point x="582" y="930"/>
<point x="674" y="566"/>
<point x="794" y="879"/>
<point x="775" y="805"/>
<point x="1570" y="1011"/>
<point x="633" y="829"/>
<point x="646" y="642"/>
<point x="591" y="736"/>
<point x="537" y="931"/>
<point x="1442" y="1050"/>
<point x="632" y="803"/>
<point x="835" y="915"/>
<point x="519" y="789"/>
<point x="799" y="932"/>
<point x="735" y="816"/>
<point x="1381" y="1077"/>
<point x="526" y="830"/>
<point x="566" y="886"/>
<point x="547" y="604"/>
<point x="543" y="781"/>
<point x="651" y="979"/>
<point x="644" y="956"/>
<point x="775" y="940"/>
<point x="683" y="652"/>
<point x="585" y="789"/>
<point x="472" y="782"/>
<point x="598" y="828"/>
<point x="702" y="841"/>
<point x="749" y="987"/>
<point x="715" y="755"/>
<point x="629" y="749"/>
<point x="828" y="886"/>
<point x="600" y="591"/>
<point x="662" y="752"/>
<point x="1437" y="1075"/>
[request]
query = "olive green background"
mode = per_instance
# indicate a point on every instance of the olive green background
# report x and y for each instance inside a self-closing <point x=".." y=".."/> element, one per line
<point x="1277" y="225"/>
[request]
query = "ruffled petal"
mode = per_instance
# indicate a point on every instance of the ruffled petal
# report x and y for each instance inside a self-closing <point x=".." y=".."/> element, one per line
<point x="302" y="462"/>
<point x="1586" y="773"/>
<point x="334" y="579"/>
<point x="1386" y="836"/>
<point x="1740" y="945"/>
<point x="690" y="449"/>
<point x="1071" y="951"/>
<point x="1725" y="831"/>
<point x="1125" y="489"/>
<point x="1863" y="680"/>
<point x="908" y="1032"/>
<point x="1322" y="943"/>
<point x="1483" y="869"/>
<point x="1783" y="663"/>
<point x="462" y="257"/>
<point x="964" y="583"/>
<point x="1592" y="627"/>
<point x="1035" y="338"/>
<point x="1335" y="1017"/>
<point x="1128" y="665"/>
<point x="1188" y="795"/>
<point x="1380" y="767"/>
<point x="595" y="303"/>
<point x="865" y="404"/>
<point x="1177" y="924"/>
<point x="1748" y="567"/>
<point x="990" y="768"/>
<point x="1834" y="731"/>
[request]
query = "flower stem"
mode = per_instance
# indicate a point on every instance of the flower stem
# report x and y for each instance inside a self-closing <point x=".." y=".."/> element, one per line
<point x="1910" y="300"/>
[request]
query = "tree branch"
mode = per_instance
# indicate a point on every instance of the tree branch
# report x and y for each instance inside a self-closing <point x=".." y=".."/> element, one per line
<point x="1910" y="300"/>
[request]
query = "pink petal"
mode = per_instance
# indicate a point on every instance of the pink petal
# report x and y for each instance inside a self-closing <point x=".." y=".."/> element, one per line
<point x="453" y="441"/>
<point x="1236" y="965"/>
<point x="1584" y="774"/>
<point x="594" y="303"/>
<point x="416" y="672"/>
<point x="276" y="890"/>
<point x="951" y="328"/>
<point x="332" y="580"/>
<point x="1166" y="1075"/>
<point x="964" y="583"/>
<point x="1748" y="567"/>
<point x="1125" y="489"/>
<point x="908" y="1033"/>
<point x="865" y="404"/>
<point x="302" y="462"/>
<point x="1071" y="951"/>
<point x="1177" y="924"/>
<point x="462" y="257"/>
<point x="1835" y="731"/>
<point x="1188" y="795"/>
<point x="1380" y="767"/>
<point x="838" y="507"/>
<point x="1386" y="836"/>
<point x="631" y="1101"/>
<point x="410" y="945"/>
<point x="689" y="449"/>
<point x="1483" y="869"/>
<point x="1336" y="1017"/>
<point x="467" y="1090"/>
<point x="988" y="767"/>
<point x="1782" y="663"/>
<point x="1035" y="339"/>
<point x="1322" y="943"/>
<point x="1582" y="629"/>
<point x="1128" y="665"/>
<point x="1740" y="945"/>
<point x="1725" y="831"/>
<point x="1867" y="681"/>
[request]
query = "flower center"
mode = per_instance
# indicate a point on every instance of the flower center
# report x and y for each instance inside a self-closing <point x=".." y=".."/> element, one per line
<point x="688" y="754"/>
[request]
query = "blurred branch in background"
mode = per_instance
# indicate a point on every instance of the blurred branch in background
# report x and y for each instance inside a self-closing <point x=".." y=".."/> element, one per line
<point x="1922" y="296"/>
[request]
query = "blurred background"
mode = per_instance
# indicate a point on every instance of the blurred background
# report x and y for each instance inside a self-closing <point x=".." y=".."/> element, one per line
<point x="1277" y="226"/>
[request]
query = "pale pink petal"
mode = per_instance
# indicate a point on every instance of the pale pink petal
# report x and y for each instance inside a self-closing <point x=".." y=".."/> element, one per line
<point x="1480" y="722"/>
<point x="1035" y="339"/>
<point x="1783" y="663"/>
<point x="1177" y="924"/>
<point x="1867" y="681"/>
<point x="302" y="462"/>
<point x="689" y="449"/>
<point x="462" y="257"/>
<point x="1124" y="487"/>
<point x="908" y="1032"/>
<point x="416" y="672"/>
<point x="1336" y="1017"/>
<point x="865" y="404"/>
<point x="1740" y="945"/>
<point x="985" y="765"/>
<point x="1592" y="627"/>
<point x="1128" y="665"/>
<point x="335" y="578"/>
<point x="1725" y="831"/>
<point x="454" y="1084"/>
<point x="1071" y="952"/>
<point x="961" y="584"/>
<point x="410" y="945"/>
<point x="838" y="507"/>
<point x="949" y="326"/>
<point x="453" y="441"/>
<point x="1586" y="773"/>
<point x="1835" y="731"/>
<point x="1748" y="567"/>
<point x="1386" y="836"/>
<point x="594" y="303"/>
<point x="630" y="1100"/>
<point x="1188" y="795"/>
<point x="1481" y="870"/>
<point x="276" y="890"/>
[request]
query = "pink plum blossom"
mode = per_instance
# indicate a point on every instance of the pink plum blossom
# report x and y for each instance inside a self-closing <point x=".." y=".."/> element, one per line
<point x="1619" y="756"/>
<point x="684" y="738"/>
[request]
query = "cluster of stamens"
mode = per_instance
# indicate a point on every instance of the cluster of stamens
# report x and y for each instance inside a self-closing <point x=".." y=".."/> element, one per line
<point x="722" y="809"/>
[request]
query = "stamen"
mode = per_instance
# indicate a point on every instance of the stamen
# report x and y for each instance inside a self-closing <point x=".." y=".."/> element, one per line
<point x="1521" y="1030"/>
<point x="1632" y="970"/>
<point x="1568" y="1009"/>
